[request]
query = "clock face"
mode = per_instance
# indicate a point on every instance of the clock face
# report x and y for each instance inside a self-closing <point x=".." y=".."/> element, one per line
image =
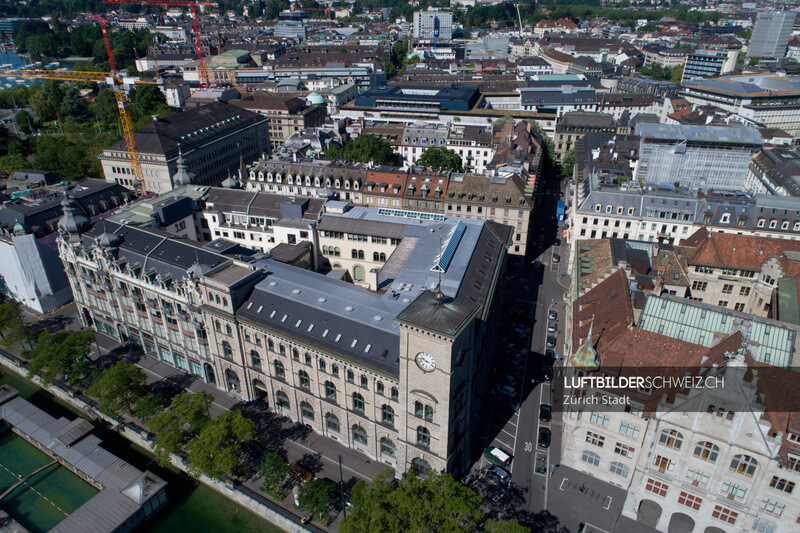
<point x="426" y="362"/>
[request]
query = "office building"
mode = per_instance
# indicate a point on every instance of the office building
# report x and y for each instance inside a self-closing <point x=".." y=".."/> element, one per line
<point x="391" y="373"/>
<point x="433" y="25"/>
<point x="708" y="63"/>
<point x="210" y="140"/>
<point x="771" y="34"/>
<point x="709" y="157"/>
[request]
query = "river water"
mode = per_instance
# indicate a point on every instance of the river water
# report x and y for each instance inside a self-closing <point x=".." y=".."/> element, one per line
<point x="192" y="507"/>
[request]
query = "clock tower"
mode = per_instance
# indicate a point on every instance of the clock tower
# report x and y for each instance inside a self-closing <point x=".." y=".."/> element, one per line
<point x="436" y="381"/>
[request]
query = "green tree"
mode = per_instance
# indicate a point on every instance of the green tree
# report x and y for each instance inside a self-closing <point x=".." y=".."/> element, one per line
<point x="568" y="165"/>
<point x="315" y="497"/>
<point x="754" y="61"/>
<point x="441" y="159"/>
<point x="215" y="451"/>
<point x="23" y="121"/>
<point x="677" y="74"/>
<point x="12" y="330"/>
<point x="436" y="503"/>
<point x="72" y="160"/>
<point x="106" y="107"/>
<point x="272" y="470"/>
<point x="118" y="387"/>
<point x="178" y="424"/>
<point x="13" y="162"/>
<point x="64" y="353"/>
<point x="73" y="105"/>
<point x="744" y="34"/>
<point x="363" y="149"/>
<point x="148" y="406"/>
<point x="512" y="526"/>
<point x="46" y="101"/>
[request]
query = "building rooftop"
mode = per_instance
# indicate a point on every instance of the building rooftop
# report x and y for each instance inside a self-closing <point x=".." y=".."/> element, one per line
<point x="699" y="134"/>
<point x="764" y="85"/>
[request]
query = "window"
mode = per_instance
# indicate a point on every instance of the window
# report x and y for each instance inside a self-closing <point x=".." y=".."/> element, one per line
<point x="598" y="418"/>
<point x="359" y="434"/>
<point x="255" y="359"/>
<point x="620" y="469"/>
<point x="271" y="344"/>
<point x="387" y="447"/>
<point x="358" y="402"/>
<point x="307" y="357"/>
<point x="723" y="303"/>
<point x="656" y="487"/>
<point x="763" y="525"/>
<point x="379" y="387"/>
<point x="304" y="381"/>
<point x="591" y="458"/>
<point x="227" y="352"/>
<point x="744" y="291"/>
<point x="772" y="507"/>
<point x="594" y="438"/>
<point x="671" y="439"/>
<point x="429" y="413"/>
<point x="418" y="408"/>
<point x="663" y="464"/>
<point x="364" y="381"/>
<point x="727" y="288"/>
<point x="395" y="393"/>
<point x="699" y="285"/>
<point x="690" y="500"/>
<point x="335" y="370"/>
<point x="350" y="376"/>
<point x="228" y="329"/>
<point x="738" y="307"/>
<point x="387" y="415"/>
<point x="306" y="411"/>
<point x="281" y="399"/>
<point x="782" y="484"/>
<point x="733" y="491"/>
<point x="724" y="514"/>
<point x="623" y="450"/>
<point x="697" y="478"/>
<point x="295" y="354"/>
<point x="423" y="437"/>
<point x="330" y="390"/>
<point x="629" y="429"/>
<point x="321" y="364"/>
<point x="279" y="371"/>
<point x="744" y="464"/>
<point x="706" y="451"/>
<point x="332" y="422"/>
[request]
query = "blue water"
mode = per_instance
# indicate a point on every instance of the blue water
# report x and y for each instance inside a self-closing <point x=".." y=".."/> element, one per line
<point x="14" y="59"/>
<point x="16" y="62"/>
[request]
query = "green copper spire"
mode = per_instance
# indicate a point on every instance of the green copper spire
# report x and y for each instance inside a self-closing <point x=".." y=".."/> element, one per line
<point x="585" y="357"/>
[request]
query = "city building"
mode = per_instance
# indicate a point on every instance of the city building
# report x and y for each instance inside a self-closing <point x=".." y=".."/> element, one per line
<point x="708" y="63"/>
<point x="771" y="33"/>
<point x="419" y="100"/>
<point x="473" y="144"/>
<point x="573" y="126"/>
<point x="558" y="100"/>
<point x="710" y="157"/>
<point x="776" y="171"/>
<point x="210" y="140"/>
<point x="286" y="115"/>
<point x="636" y="85"/>
<point x="391" y="373"/>
<point x="766" y="99"/>
<point x="433" y="25"/>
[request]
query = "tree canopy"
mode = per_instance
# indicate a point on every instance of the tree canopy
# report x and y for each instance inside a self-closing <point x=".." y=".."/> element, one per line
<point x="364" y="149"/>
<point x="64" y="353"/>
<point x="11" y="325"/>
<point x="118" y="387"/>
<point x="215" y="451"/>
<point x="178" y="424"/>
<point x="441" y="159"/>
<point x="315" y="497"/>
<point x="272" y="470"/>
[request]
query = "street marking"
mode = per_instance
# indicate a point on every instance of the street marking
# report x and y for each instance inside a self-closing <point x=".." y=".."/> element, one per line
<point x="595" y="528"/>
<point x="610" y="499"/>
<point x="561" y="486"/>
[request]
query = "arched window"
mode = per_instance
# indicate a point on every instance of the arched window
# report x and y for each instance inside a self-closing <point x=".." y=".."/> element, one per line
<point x="744" y="464"/>
<point x="359" y="434"/>
<point x="332" y="422"/>
<point x="255" y="359"/>
<point x="282" y="349"/>
<point x="281" y="399"/>
<point x="358" y="402"/>
<point x="335" y="369"/>
<point x="671" y="439"/>
<point x="324" y="250"/>
<point x="428" y="412"/>
<point x="591" y="458"/>
<point x="306" y="411"/>
<point x="376" y="256"/>
<point x="423" y="436"/>
<point x="337" y="253"/>
<point x="228" y="329"/>
<point x="321" y="364"/>
<point x="418" y="408"/>
<point x="382" y="257"/>
<point x="330" y="390"/>
<point x="620" y="469"/>
<point x="217" y="325"/>
<point x="706" y="451"/>
<point x="307" y="357"/>
<point x="304" y="381"/>
<point x="420" y="466"/>
<point x="295" y="354"/>
<point x="354" y="253"/>
<point x="387" y="415"/>
<point x="227" y="352"/>
<point x="395" y="393"/>
<point x="379" y="387"/>
<point x="358" y="273"/>
<point x="387" y="447"/>
<point x="271" y="344"/>
<point x="280" y="372"/>
<point x="350" y="375"/>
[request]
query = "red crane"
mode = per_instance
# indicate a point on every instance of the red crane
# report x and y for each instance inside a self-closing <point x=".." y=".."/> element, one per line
<point x="192" y="5"/>
<point x="102" y="22"/>
<point x="328" y="9"/>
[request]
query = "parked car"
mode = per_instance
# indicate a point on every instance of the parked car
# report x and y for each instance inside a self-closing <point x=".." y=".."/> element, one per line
<point x="557" y="242"/>
<point x="517" y="348"/>
<point x="508" y="390"/>
<point x="556" y="258"/>
<point x="508" y="401"/>
<point x="498" y="456"/>
<point x="545" y="412"/>
<point x="547" y="372"/>
<point x="497" y="473"/>
<point x="512" y="364"/>
<point x="537" y="264"/>
<point x="552" y="314"/>
<point x="544" y="437"/>
<point x="511" y="380"/>
<point x="298" y="473"/>
<point x="549" y="357"/>
<point x="552" y="326"/>
<point x="520" y="331"/>
<point x="551" y="341"/>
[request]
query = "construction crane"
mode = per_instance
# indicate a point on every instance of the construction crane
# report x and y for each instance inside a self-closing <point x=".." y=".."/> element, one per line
<point x="328" y="9"/>
<point x="192" y="5"/>
<point x="102" y="22"/>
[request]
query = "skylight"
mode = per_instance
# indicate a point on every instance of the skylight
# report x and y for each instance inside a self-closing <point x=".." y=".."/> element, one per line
<point x="449" y="249"/>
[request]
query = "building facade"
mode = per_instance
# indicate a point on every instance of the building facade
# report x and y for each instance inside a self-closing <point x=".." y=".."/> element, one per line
<point x="771" y="33"/>
<point x="433" y="25"/>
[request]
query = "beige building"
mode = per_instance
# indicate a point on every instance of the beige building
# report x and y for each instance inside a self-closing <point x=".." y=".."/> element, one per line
<point x="285" y="115"/>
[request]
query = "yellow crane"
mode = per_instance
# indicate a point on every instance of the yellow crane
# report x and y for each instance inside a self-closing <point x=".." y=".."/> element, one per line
<point x="113" y="80"/>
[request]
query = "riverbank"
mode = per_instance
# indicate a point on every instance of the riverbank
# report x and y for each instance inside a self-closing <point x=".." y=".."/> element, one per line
<point x="192" y="506"/>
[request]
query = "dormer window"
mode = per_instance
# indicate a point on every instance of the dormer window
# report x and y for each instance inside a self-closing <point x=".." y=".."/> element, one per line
<point x="785" y="225"/>
<point x="761" y="223"/>
<point x="726" y="217"/>
<point x="773" y="224"/>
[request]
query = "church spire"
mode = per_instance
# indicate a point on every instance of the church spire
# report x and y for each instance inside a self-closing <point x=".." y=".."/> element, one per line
<point x="585" y="357"/>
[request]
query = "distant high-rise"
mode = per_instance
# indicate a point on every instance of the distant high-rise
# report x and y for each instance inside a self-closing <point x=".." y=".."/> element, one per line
<point x="771" y="34"/>
<point x="433" y="24"/>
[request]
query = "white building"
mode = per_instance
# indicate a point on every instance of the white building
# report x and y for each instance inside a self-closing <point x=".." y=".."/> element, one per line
<point x="433" y="24"/>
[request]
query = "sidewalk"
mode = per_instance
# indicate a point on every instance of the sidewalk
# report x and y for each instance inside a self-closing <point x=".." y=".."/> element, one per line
<point x="318" y="454"/>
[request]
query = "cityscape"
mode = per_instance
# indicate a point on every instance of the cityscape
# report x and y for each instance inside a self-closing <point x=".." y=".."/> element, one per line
<point x="369" y="266"/>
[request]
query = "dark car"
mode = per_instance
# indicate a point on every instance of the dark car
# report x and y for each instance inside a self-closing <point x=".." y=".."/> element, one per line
<point x="544" y="437"/>
<point x="547" y="372"/>
<point x="545" y="412"/>
<point x="557" y="242"/>
<point x="497" y="474"/>
<point x="551" y="341"/>
<point x="556" y="258"/>
<point x="552" y="314"/>
<point x="549" y="357"/>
